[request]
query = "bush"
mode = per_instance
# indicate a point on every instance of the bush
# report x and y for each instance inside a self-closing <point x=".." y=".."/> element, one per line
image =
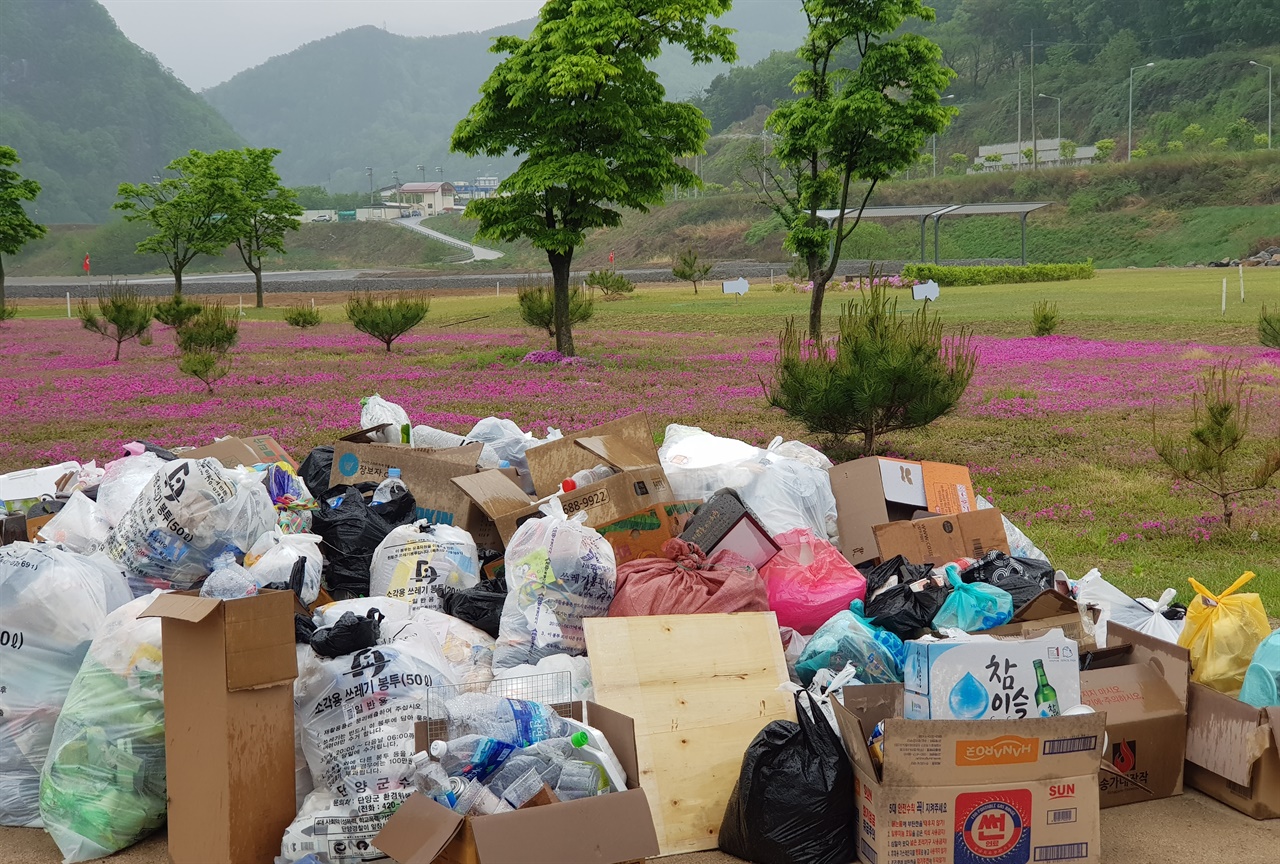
<point x="1000" y="274"/>
<point x="122" y="314"/>
<point x="537" y="308"/>
<point x="386" y="318"/>
<point x="302" y="316"/>
<point x="887" y="372"/>
<point x="1044" y="318"/>
<point x="8" y="312"/>
<point x="611" y="283"/>
<point x="205" y="342"/>
<point x="1269" y="328"/>
<point x="177" y="311"/>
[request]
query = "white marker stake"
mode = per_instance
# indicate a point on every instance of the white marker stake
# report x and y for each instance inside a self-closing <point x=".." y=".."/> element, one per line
<point x="498" y="291"/>
<point x="1241" y="268"/>
<point x="68" y="304"/>
<point x="1224" y="296"/>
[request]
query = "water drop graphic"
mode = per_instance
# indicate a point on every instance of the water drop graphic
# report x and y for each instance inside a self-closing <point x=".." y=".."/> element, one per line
<point x="968" y="698"/>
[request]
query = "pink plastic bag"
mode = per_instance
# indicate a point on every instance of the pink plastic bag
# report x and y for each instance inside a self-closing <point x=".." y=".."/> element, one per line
<point x="809" y="581"/>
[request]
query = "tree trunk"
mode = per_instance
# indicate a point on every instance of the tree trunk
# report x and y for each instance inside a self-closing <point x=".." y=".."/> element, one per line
<point x="1" y="287"/>
<point x="868" y="441"/>
<point x="257" y="278"/>
<point x="560" y="274"/>
<point x="177" y="283"/>
<point x="695" y="288"/>
<point x="116" y="359"/>
<point x="815" y="297"/>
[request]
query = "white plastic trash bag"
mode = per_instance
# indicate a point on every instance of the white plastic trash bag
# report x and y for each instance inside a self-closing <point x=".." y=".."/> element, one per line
<point x="1093" y="590"/>
<point x="339" y="828"/>
<point x="801" y="452"/>
<point x="504" y="441"/>
<point x="1020" y="545"/>
<point x="559" y="572"/>
<point x="52" y="604"/>
<point x="468" y="650"/>
<point x="190" y="513"/>
<point x="103" y="787"/>
<point x="375" y="411"/>
<point x="274" y="555"/>
<point x="435" y="439"/>
<point x="1156" y="624"/>
<point x="78" y="526"/>
<point x="414" y="559"/>
<point x="122" y="483"/>
<point x="395" y="613"/>
<point x="572" y="682"/>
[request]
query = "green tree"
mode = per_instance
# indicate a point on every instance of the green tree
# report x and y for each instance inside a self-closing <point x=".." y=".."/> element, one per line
<point x="611" y="283"/>
<point x="386" y="318"/>
<point x="185" y="212"/>
<point x="1028" y="155"/>
<point x="1175" y="146"/>
<point x="1067" y="149"/>
<point x="959" y="162"/>
<point x="1240" y="134"/>
<point x="1193" y="136"/>
<point x="1218" y="144"/>
<point x="122" y="314"/>
<point x="16" y="227"/>
<point x="578" y="102"/>
<point x="260" y="208"/>
<point x="888" y="372"/>
<point x="205" y="342"/>
<point x="538" y="308"/>
<point x="689" y="269"/>
<point x="1104" y="148"/>
<point x="1260" y="141"/>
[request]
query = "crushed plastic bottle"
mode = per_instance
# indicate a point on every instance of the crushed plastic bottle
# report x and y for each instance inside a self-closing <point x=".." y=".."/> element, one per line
<point x="514" y="721"/>
<point x="391" y="488"/>
<point x="471" y="757"/>
<point x="228" y="581"/>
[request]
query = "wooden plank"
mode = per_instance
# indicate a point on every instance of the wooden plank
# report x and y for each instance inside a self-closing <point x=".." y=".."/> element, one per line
<point x="699" y="688"/>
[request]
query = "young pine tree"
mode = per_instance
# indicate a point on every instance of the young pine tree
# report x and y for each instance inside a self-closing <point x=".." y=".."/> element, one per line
<point x="386" y="318"/>
<point x="122" y="314"/>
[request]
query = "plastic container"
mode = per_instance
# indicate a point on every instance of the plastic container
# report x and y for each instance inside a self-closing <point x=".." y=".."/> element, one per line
<point x="607" y="762"/>
<point x="391" y="488"/>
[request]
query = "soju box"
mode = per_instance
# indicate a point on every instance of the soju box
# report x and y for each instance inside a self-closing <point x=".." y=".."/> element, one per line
<point x="974" y="677"/>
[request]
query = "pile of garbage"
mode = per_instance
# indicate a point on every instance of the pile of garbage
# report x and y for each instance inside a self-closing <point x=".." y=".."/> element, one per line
<point x="405" y="619"/>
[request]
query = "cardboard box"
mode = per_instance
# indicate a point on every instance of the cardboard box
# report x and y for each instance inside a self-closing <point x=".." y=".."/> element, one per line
<point x="947" y="488"/>
<point x="962" y="792"/>
<point x="1233" y="752"/>
<point x="1048" y="610"/>
<point x="13" y="528"/>
<point x="1143" y="693"/>
<point x="229" y="667"/>
<point x="234" y="452"/>
<point x="982" y="678"/>
<point x="939" y="539"/>
<point x="606" y="829"/>
<point x="642" y="534"/>
<point x="426" y="474"/>
<point x="626" y="445"/>
<point x="869" y="492"/>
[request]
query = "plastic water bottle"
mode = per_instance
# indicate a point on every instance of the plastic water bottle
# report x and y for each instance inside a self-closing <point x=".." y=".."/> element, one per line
<point x="587" y="476"/>
<point x="580" y="780"/>
<point x="391" y="488"/>
<point x="472" y="757"/>
<point x="514" y="721"/>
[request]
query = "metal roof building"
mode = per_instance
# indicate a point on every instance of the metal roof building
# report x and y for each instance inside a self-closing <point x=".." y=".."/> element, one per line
<point x="924" y="212"/>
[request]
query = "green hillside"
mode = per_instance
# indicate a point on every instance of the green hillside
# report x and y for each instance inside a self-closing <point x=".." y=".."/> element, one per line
<point x="87" y="109"/>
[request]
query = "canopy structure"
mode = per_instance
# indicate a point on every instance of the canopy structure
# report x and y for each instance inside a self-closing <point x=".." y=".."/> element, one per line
<point x="924" y="212"/>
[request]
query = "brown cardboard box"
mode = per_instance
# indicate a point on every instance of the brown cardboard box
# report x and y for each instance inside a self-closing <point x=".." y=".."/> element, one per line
<point x="641" y="535"/>
<point x="939" y="539"/>
<point x="1048" y="610"/>
<point x="1143" y="693"/>
<point x="229" y="667"/>
<point x="966" y="791"/>
<point x="233" y="452"/>
<point x="624" y="444"/>
<point x="947" y="488"/>
<point x="607" y="829"/>
<point x="426" y="473"/>
<point x="1233" y="752"/>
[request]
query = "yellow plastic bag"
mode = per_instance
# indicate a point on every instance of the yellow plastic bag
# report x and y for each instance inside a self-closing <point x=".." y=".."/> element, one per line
<point x="1222" y="632"/>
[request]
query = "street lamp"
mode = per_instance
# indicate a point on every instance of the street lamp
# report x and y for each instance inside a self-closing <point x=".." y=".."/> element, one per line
<point x="1268" y="68"/>
<point x="1057" y="99"/>
<point x="369" y="171"/>
<point x="935" y="138"/>
<point x="440" y="171"/>
<point x="423" y="169"/>
<point x="1129" y="157"/>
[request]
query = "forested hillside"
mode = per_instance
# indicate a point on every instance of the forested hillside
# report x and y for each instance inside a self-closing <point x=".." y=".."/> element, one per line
<point x="87" y="109"/>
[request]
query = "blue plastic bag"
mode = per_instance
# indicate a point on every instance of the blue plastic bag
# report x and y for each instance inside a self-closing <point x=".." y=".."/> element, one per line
<point x="973" y="606"/>
<point x="848" y="637"/>
<point x="1262" y="679"/>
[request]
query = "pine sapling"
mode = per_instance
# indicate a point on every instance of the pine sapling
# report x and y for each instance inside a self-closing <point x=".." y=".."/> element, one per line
<point x="122" y="314"/>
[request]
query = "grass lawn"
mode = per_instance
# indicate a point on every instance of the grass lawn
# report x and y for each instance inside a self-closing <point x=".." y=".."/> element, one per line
<point x="1055" y="430"/>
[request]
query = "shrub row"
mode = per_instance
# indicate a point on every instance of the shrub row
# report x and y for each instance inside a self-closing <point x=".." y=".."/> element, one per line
<point x="1000" y="274"/>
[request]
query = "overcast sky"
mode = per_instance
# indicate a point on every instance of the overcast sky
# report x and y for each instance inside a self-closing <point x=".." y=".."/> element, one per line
<point x="205" y="42"/>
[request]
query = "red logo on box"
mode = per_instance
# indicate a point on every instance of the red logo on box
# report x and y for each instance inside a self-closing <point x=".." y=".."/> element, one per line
<point x="993" y="827"/>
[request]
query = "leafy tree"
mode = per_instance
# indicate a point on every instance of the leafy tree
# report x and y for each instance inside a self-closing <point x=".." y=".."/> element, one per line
<point x="993" y="158"/>
<point x="16" y="227"/>
<point x="260" y="208"/>
<point x="122" y="314"/>
<point x="689" y="269"/>
<point x="1104" y="148"/>
<point x="960" y="162"/>
<point x="205" y="343"/>
<point x="1210" y="455"/>
<point x="302" y="316"/>
<point x="537" y="308"/>
<point x="1193" y="136"/>
<point x="386" y="318"/>
<point x="578" y="102"/>
<point x="1260" y="141"/>
<point x="1240" y="134"/>
<point x="186" y="213"/>
<point x="1067" y="149"/>
<point x="888" y="372"/>
<point x="1218" y="144"/>
<point x="1028" y="155"/>
<point x="1175" y="146"/>
<point x="1139" y="153"/>
<point x="850" y="126"/>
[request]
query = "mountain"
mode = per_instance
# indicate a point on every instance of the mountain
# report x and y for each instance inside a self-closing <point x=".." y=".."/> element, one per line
<point x="369" y="98"/>
<point x="87" y="109"/>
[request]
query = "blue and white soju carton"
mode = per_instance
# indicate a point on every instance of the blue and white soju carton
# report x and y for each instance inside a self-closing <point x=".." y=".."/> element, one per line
<point x="975" y="677"/>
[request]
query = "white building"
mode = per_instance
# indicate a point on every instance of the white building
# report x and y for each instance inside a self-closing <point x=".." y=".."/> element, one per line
<point x="1047" y="153"/>
<point x="430" y="198"/>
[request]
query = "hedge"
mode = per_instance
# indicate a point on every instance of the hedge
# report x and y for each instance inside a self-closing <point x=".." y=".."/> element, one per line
<point x="1001" y="274"/>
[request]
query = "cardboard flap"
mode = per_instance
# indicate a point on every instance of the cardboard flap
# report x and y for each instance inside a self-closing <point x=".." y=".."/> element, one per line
<point x="552" y="462"/>
<point x="181" y="607"/>
<point x="260" y="640"/>
<point x="1046" y="604"/>
<point x="1224" y="735"/>
<point x="855" y="738"/>
<point x="620" y="731"/>
<point x="613" y="827"/>
<point x="494" y="492"/>
<point x="948" y="488"/>
<point x="902" y="481"/>
<point x="1170" y="660"/>
<point x="1129" y="693"/>
<point x="364" y="436"/>
<point x="418" y="831"/>
<point x="618" y="453"/>
<point x="1274" y="715"/>
<point x="467" y="455"/>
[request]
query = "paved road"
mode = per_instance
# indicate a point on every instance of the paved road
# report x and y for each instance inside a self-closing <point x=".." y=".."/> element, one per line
<point x="478" y="253"/>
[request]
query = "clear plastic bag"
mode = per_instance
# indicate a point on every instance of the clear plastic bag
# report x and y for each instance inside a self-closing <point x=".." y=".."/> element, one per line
<point x="78" y="526"/>
<point x="273" y="556"/>
<point x="336" y="829"/>
<point x="1020" y="545"/>
<point x="973" y="606"/>
<point x="851" y="638"/>
<point x="374" y="411"/>
<point x="435" y="439"/>
<point x="1222" y="632"/>
<point x="188" y="515"/>
<point x="52" y="604"/>
<point x="809" y="581"/>
<point x="103" y="786"/>
<point x="413" y="560"/>
<point x="559" y="572"/>
<point x="122" y="483"/>
<point x="468" y="651"/>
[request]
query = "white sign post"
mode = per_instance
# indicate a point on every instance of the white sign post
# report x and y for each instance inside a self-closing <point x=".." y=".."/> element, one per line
<point x="738" y="286"/>
<point x="925" y="291"/>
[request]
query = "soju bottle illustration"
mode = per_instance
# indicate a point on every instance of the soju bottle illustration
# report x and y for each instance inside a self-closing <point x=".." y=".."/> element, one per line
<point x="1046" y="696"/>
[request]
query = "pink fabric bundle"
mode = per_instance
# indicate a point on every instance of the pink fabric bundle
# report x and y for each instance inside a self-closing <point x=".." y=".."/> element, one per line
<point x="685" y="582"/>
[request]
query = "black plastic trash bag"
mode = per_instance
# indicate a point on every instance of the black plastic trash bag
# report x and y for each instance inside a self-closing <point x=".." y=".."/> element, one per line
<point x="316" y="469"/>
<point x="351" y="530"/>
<point x="794" y="800"/>
<point x="896" y="571"/>
<point x="480" y="606"/>
<point x="899" y="608"/>
<point x="349" y="635"/>
<point x="1023" y="578"/>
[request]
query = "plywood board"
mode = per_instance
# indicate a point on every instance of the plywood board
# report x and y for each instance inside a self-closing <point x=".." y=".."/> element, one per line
<point x="699" y="688"/>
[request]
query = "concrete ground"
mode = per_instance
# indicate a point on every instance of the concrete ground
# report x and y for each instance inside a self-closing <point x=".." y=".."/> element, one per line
<point x="1190" y="829"/>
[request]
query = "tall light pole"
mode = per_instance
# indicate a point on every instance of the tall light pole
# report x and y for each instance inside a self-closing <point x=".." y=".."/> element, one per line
<point x="440" y="171"/>
<point x="369" y="171"/>
<point x="1129" y="155"/>
<point x="935" y="138"/>
<point x="423" y="169"/>
<point x="1268" y="68"/>
<point x="1057" y="99"/>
